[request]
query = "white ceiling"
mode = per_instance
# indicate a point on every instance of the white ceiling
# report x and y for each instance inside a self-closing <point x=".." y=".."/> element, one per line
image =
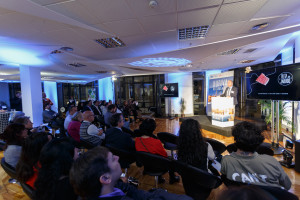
<point x="32" y="29"/>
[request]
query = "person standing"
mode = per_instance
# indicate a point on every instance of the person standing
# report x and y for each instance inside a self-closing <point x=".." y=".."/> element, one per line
<point x="231" y="91"/>
<point x="16" y="103"/>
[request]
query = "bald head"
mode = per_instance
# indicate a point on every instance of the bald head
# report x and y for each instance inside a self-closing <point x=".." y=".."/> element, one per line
<point x="88" y="116"/>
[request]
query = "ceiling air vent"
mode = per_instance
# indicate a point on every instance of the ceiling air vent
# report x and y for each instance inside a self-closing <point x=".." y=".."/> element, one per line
<point x="250" y="50"/>
<point x="77" y="65"/>
<point x="229" y="52"/>
<point x="56" y="52"/>
<point x="246" y="61"/>
<point x="193" y="32"/>
<point x="111" y="42"/>
<point x="101" y="72"/>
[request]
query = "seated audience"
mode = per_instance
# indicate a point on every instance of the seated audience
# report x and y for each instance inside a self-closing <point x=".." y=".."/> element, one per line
<point x="96" y="174"/>
<point x="149" y="143"/>
<point x="28" y="165"/>
<point x="14" y="136"/>
<point x="56" y="160"/>
<point x="46" y="100"/>
<point x="89" y="131"/>
<point x="50" y="116"/>
<point x="88" y="106"/>
<point x="110" y="111"/>
<point x="104" y="108"/>
<point x="26" y="122"/>
<point x="72" y="111"/>
<point x="96" y="109"/>
<point x="116" y="137"/>
<point x="74" y="126"/>
<point x="192" y="148"/>
<point x="247" y="166"/>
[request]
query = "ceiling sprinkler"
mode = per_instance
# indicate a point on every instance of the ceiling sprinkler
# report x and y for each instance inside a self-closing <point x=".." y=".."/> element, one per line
<point x="153" y="4"/>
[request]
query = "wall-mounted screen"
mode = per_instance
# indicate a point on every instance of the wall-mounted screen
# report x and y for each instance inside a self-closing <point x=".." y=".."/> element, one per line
<point x="169" y="90"/>
<point x="276" y="83"/>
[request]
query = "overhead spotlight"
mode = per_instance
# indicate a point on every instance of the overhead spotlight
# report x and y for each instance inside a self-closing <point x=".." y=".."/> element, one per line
<point x="260" y="26"/>
<point x="69" y="49"/>
<point x="248" y="69"/>
<point x="114" y="78"/>
<point x="189" y="65"/>
<point x="153" y="4"/>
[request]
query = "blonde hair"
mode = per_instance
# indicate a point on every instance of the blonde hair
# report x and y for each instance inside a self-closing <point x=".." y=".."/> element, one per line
<point x="76" y="116"/>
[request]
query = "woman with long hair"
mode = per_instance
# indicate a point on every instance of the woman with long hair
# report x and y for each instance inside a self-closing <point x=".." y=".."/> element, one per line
<point x="14" y="135"/>
<point x="28" y="165"/>
<point x="56" y="160"/>
<point x="192" y="147"/>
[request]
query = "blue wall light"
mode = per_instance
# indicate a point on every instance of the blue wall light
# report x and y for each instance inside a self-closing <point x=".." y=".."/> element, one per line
<point x="160" y="62"/>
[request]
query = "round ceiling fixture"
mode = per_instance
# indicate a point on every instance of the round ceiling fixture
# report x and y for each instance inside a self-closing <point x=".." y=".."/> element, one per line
<point x="160" y="62"/>
<point x="260" y="26"/>
<point x="69" y="49"/>
<point x="153" y="4"/>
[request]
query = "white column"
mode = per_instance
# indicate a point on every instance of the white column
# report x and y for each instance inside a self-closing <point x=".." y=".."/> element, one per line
<point x="185" y="91"/>
<point x="50" y="88"/>
<point x="106" y="89"/>
<point x="31" y="88"/>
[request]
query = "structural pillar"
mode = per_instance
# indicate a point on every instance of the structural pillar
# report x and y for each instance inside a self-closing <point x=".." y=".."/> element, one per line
<point x="31" y="88"/>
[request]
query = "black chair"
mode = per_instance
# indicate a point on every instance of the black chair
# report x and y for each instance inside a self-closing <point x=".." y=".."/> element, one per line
<point x="11" y="171"/>
<point x="86" y="144"/>
<point x="197" y="183"/>
<point x="278" y="193"/>
<point x="217" y="146"/>
<point x="169" y="140"/>
<point x="126" y="130"/>
<point x="261" y="149"/>
<point x="28" y="190"/>
<point x="125" y="158"/>
<point x="154" y="165"/>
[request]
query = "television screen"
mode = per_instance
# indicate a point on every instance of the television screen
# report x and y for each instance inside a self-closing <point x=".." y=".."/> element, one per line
<point x="169" y="90"/>
<point x="276" y="83"/>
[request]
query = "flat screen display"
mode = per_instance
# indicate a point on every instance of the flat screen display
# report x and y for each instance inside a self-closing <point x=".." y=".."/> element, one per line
<point x="276" y="83"/>
<point x="169" y="90"/>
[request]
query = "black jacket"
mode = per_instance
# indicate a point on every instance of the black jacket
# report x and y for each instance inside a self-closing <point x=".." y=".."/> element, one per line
<point x="118" y="139"/>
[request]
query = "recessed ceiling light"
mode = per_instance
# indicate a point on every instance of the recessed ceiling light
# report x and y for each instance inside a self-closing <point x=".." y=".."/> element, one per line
<point x="67" y="49"/>
<point x="260" y="26"/>
<point x="160" y="62"/>
<point x="246" y="61"/>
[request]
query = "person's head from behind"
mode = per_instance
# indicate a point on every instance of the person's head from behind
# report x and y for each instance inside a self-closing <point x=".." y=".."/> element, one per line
<point x="77" y="116"/>
<point x="245" y="193"/>
<point x="147" y="127"/>
<point x="247" y="136"/>
<point x="229" y="83"/>
<point x="31" y="149"/>
<point x="18" y="94"/>
<point x="47" y="106"/>
<point x="25" y="121"/>
<point x="94" y="171"/>
<point x="117" y="120"/>
<point x="88" y="116"/>
<point x="191" y="144"/>
<point x="72" y="110"/>
<point x="112" y="108"/>
<point x="56" y="159"/>
<point x="14" y="134"/>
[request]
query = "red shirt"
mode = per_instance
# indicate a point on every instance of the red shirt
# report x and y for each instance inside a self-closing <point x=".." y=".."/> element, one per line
<point x="32" y="180"/>
<point x="150" y="145"/>
<point x="74" y="129"/>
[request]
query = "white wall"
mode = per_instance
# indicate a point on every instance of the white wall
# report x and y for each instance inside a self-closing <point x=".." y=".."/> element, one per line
<point x="185" y="90"/>
<point x="106" y="89"/>
<point x="50" y="88"/>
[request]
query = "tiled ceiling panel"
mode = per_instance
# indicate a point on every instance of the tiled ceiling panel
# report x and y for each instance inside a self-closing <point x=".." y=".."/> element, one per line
<point x="225" y="29"/>
<point x="124" y="27"/>
<point x="157" y="23"/>
<point x="74" y="10"/>
<point x="196" y="4"/>
<point x="241" y="11"/>
<point x="108" y="10"/>
<point x="164" y="41"/>
<point x="4" y="11"/>
<point x="277" y="8"/>
<point x="195" y="18"/>
<point x="142" y="8"/>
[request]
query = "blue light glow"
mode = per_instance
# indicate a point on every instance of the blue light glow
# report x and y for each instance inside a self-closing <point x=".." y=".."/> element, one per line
<point x="287" y="56"/>
<point x="50" y="88"/>
<point x="160" y="62"/>
<point x="20" y="56"/>
<point x="106" y="89"/>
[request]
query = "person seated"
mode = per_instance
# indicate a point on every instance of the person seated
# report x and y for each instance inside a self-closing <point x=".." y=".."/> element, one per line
<point x="96" y="173"/>
<point x="149" y="143"/>
<point x="89" y="131"/>
<point x="96" y="109"/>
<point x="74" y="126"/>
<point x="56" y="159"/>
<point x="46" y="100"/>
<point x="247" y="166"/>
<point x="116" y="137"/>
<point x="28" y="165"/>
<point x="14" y="136"/>
<point x="110" y="111"/>
<point x="104" y="108"/>
<point x="88" y="106"/>
<point x="49" y="116"/>
<point x="192" y="148"/>
<point x="26" y="122"/>
<point x="72" y="111"/>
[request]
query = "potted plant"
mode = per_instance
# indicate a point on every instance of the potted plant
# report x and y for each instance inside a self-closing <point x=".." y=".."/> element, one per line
<point x="182" y="107"/>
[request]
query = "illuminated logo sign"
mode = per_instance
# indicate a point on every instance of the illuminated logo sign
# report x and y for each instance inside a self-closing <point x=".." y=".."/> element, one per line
<point x="172" y="88"/>
<point x="285" y="78"/>
<point x="165" y="88"/>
